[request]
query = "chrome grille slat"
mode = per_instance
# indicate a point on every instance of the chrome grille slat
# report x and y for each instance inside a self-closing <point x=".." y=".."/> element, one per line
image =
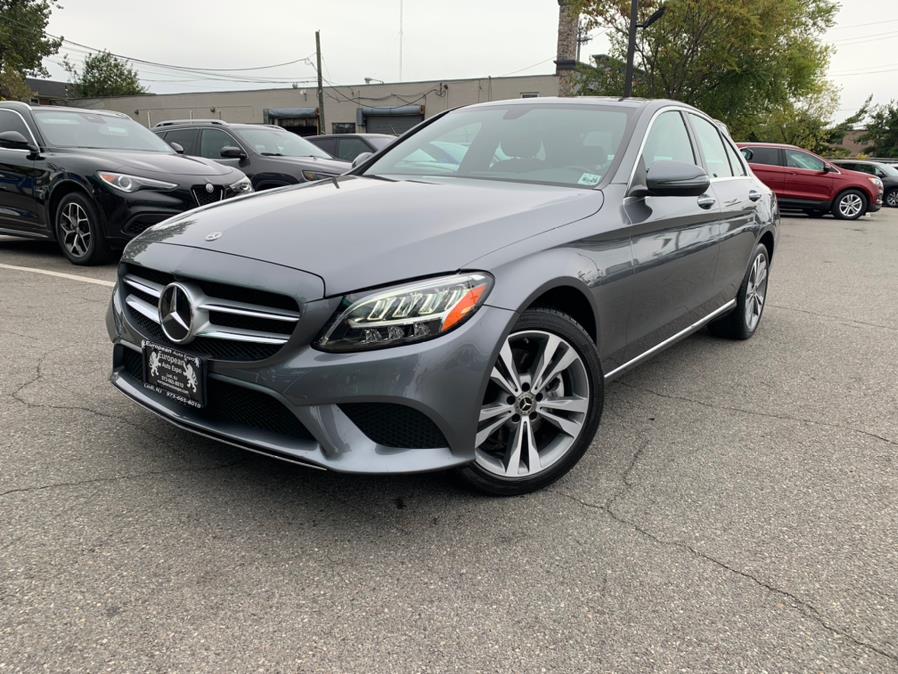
<point x="139" y="292"/>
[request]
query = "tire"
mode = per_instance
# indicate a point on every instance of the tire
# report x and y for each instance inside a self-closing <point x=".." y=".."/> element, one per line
<point x="572" y="397"/>
<point x="850" y="205"/>
<point x="739" y="323"/>
<point x="78" y="230"/>
<point x="891" y="198"/>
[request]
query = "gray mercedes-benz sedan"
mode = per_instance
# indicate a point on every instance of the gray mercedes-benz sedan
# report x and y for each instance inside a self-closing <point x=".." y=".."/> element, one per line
<point x="458" y="300"/>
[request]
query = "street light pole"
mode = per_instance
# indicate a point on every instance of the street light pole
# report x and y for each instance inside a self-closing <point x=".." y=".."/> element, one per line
<point x="631" y="48"/>
<point x="321" y="124"/>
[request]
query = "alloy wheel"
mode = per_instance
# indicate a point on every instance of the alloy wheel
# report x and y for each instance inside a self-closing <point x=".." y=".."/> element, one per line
<point x="535" y="405"/>
<point x="756" y="292"/>
<point x="892" y="198"/>
<point x="851" y="205"/>
<point x="75" y="229"/>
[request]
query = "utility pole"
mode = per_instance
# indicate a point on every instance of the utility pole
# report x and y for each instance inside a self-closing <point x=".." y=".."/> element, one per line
<point x="631" y="48"/>
<point x="566" y="58"/>
<point x="322" y="127"/>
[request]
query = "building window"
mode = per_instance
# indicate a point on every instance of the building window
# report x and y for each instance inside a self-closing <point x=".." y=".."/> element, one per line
<point x="344" y="127"/>
<point x="529" y="94"/>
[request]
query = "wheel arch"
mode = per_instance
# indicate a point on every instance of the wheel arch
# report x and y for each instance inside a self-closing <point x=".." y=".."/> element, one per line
<point x="568" y="299"/>
<point x="767" y="240"/>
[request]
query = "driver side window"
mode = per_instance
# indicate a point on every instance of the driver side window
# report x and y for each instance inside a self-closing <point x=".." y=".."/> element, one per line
<point x="10" y="121"/>
<point x="803" y="160"/>
<point x="668" y="140"/>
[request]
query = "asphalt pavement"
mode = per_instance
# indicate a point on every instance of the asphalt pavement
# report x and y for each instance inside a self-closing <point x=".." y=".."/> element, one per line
<point x="738" y="510"/>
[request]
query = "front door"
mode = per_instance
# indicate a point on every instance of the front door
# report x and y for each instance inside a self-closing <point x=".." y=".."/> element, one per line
<point x="18" y="208"/>
<point x="807" y="181"/>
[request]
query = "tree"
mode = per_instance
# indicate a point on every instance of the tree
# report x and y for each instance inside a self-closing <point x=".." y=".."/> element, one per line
<point x="24" y="44"/>
<point x="737" y="60"/>
<point x="104" y="74"/>
<point x="882" y="131"/>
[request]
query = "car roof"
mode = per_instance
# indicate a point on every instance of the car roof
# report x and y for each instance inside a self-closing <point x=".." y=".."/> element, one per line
<point x="351" y="135"/>
<point x="783" y="145"/>
<point x="19" y="106"/>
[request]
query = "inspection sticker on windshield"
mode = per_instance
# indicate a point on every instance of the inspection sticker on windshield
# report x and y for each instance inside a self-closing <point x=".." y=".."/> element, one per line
<point x="589" y="179"/>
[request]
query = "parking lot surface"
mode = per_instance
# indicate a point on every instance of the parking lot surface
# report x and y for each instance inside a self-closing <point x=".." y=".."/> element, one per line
<point x="738" y="510"/>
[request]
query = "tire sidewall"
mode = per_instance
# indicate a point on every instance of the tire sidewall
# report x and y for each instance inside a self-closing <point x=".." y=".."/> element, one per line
<point x="837" y="211"/>
<point x="565" y="327"/>
<point x="743" y="329"/>
<point x="97" y="248"/>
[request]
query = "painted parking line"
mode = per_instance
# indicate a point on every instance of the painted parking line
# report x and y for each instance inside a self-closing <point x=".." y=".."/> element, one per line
<point x="58" y="274"/>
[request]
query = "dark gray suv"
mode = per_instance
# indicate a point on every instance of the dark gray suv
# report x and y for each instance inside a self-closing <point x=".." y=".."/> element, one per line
<point x="269" y="155"/>
<point x="465" y="312"/>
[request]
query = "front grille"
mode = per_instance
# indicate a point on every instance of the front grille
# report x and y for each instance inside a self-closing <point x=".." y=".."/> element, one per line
<point x="204" y="196"/>
<point x="239" y="324"/>
<point x="394" y="425"/>
<point x="232" y="404"/>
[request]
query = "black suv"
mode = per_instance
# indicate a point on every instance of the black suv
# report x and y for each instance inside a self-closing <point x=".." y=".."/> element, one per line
<point x="348" y="146"/>
<point x="888" y="173"/>
<point x="270" y="155"/>
<point x="92" y="179"/>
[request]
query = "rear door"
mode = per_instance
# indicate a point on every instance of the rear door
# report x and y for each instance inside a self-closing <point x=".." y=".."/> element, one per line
<point x="212" y="141"/>
<point x="186" y="138"/>
<point x="807" y="183"/>
<point x="673" y="240"/>
<point x="738" y="196"/>
<point x="769" y="164"/>
<point x="19" y="209"/>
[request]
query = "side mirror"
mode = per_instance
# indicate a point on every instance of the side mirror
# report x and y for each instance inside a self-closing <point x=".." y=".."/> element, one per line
<point x="361" y="159"/>
<point x="16" y="141"/>
<point x="177" y="147"/>
<point x="674" y="179"/>
<point x="829" y="168"/>
<point x="231" y="152"/>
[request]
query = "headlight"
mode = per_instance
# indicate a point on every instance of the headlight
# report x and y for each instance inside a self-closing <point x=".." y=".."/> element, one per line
<point x="407" y="313"/>
<point x="312" y="176"/>
<point x="875" y="181"/>
<point x="125" y="183"/>
<point x="242" y="186"/>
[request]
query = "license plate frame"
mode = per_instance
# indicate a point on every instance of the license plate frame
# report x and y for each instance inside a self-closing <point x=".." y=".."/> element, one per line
<point x="176" y="374"/>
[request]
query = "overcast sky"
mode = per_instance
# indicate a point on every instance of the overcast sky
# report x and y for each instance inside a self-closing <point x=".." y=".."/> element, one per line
<point x="360" y="38"/>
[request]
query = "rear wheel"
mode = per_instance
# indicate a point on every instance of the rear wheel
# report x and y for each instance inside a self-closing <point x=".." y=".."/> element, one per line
<point x="78" y="230"/>
<point x="850" y="205"/>
<point x="541" y="408"/>
<point x="742" y="321"/>
<point x="891" y="198"/>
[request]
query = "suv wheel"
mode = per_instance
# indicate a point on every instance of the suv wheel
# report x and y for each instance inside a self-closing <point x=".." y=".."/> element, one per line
<point x="891" y="197"/>
<point x="78" y="230"/>
<point x="541" y="408"/>
<point x="850" y="205"/>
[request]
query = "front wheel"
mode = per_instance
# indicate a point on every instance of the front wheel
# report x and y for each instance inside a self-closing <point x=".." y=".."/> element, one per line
<point x="850" y="205"/>
<point x="78" y="230"/>
<point x="891" y="198"/>
<point x="541" y="408"/>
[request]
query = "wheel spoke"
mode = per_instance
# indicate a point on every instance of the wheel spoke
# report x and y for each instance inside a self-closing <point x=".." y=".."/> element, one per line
<point x="513" y="453"/>
<point x="567" y="426"/>
<point x="533" y="462"/>
<point x="509" y="380"/>
<point x="573" y="404"/>
<point x="762" y="276"/>
<point x="568" y="358"/>
<point x="488" y="430"/>
<point x="545" y="360"/>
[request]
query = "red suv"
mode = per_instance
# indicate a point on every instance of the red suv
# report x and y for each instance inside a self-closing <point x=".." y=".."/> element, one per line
<point x="805" y="182"/>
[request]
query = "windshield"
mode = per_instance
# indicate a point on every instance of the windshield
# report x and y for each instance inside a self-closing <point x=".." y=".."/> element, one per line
<point x="573" y="145"/>
<point x="275" y="143"/>
<point x="889" y="170"/>
<point x="63" y="128"/>
<point x="380" y="142"/>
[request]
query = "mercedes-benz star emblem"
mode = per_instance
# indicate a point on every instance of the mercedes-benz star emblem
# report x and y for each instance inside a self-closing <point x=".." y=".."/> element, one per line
<point x="176" y="313"/>
<point x="213" y="236"/>
<point x="209" y="188"/>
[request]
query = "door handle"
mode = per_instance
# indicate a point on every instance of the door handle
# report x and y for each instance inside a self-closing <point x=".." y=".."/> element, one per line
<point x="754" y="195"/>
<point x="706" y="201"/>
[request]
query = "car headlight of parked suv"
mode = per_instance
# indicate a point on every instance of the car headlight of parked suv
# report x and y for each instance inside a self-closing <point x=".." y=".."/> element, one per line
<point x="242" y="186"/>
<point x="876" y="181"/>
<point x="127" y="183"/>
<point x="406" y="313"/>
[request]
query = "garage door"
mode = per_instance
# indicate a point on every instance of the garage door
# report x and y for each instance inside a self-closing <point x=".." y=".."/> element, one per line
<point x="394" y="124"/>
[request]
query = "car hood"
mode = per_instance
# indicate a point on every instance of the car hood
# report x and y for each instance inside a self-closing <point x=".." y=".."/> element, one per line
<point x="358" y="232"/>
<point x="332" y="166"/>
<point x="152" y="164"/>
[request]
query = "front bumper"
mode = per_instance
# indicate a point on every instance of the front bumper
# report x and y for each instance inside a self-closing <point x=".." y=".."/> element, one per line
<point x="442" y="380"/>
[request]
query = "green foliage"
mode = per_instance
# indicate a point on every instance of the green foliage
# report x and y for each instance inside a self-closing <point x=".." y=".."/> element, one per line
<point x="24" y="44"/>
<point x="104" y="74"/>
<point x="738" y="60"/>
<point x="882" y="131"/>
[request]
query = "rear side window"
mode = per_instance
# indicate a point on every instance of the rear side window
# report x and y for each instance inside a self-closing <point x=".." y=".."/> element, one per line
<point x="803" y="160"/>
<point x="350" y="148"/>
<point x="712" y="147"/>
<point x="668" y="140"/>
<point x="186" y="138"/>
<point x="213" y="142"/>
<point x="733" y="156"/>
<point x="762" y="155"/>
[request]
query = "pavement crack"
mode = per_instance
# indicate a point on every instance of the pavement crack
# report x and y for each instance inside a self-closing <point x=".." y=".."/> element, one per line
<point x="769" y="415"/>
<point x="807" y="609"/>
<point x="119" y="478"/>
<point x="840" y="319"/>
